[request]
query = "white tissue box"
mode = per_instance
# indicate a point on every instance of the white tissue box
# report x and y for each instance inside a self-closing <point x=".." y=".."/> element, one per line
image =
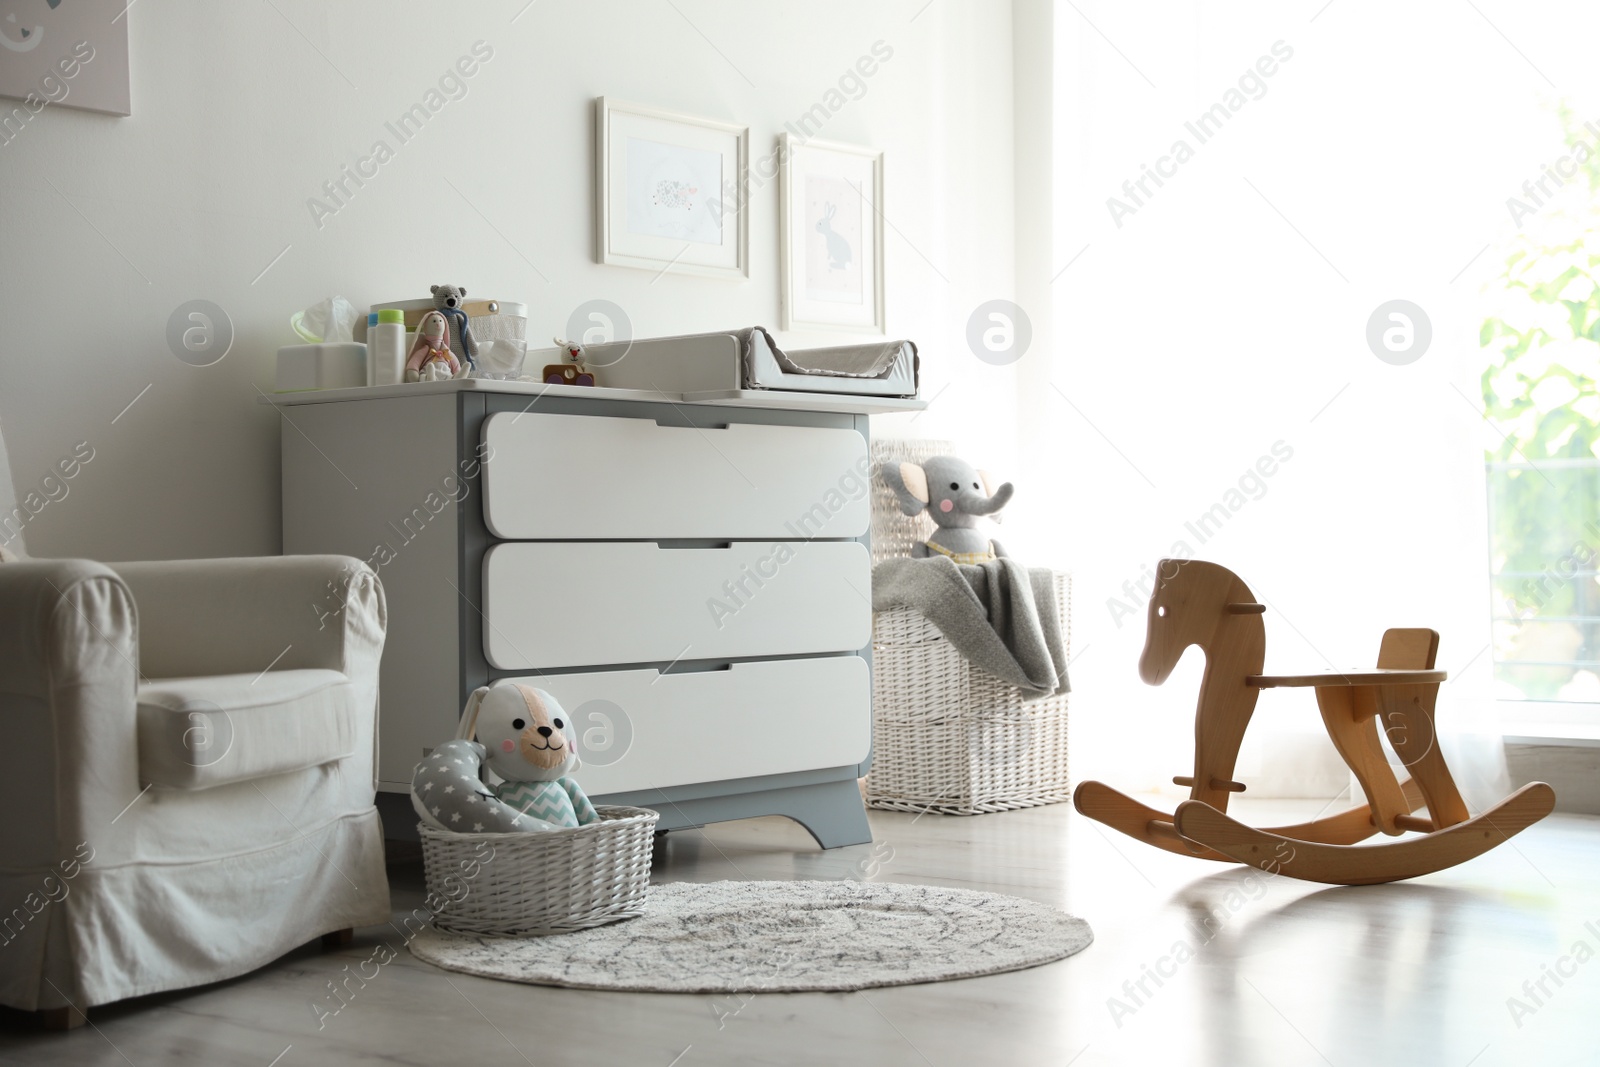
<point x="330" y="365"/>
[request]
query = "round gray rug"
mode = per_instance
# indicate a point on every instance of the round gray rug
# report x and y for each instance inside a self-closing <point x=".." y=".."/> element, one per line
<point x="732" y="937"/>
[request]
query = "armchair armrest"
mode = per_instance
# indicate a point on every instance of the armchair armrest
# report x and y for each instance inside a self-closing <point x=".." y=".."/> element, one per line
<point x="242" y="616"/>
<point x="64" y="623"/>
<point x="69" y="643"/>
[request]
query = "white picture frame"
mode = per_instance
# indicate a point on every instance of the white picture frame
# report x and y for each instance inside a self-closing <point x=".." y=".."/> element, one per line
<point x="830" y="236"/>
<point x="69" y="55"/>
<point x="670" y="191"/>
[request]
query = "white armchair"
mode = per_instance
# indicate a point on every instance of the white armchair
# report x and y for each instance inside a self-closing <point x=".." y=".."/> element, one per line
<point x="188" y="770"/>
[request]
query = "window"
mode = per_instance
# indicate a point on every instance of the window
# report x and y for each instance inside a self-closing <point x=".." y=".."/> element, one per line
<point x="1542" y="337"/>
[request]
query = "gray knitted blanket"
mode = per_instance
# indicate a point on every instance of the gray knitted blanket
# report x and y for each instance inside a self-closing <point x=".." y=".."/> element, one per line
<point x="1000" y="615"/>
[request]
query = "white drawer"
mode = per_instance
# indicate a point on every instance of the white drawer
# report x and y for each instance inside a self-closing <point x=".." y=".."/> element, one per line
<point x="593" y="476"/>
<point x="574" y="604"/>
<point x="644" y="730"/>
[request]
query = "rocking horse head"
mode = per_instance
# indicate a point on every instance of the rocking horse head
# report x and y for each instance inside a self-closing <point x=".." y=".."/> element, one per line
<point x="1197" y="603"/>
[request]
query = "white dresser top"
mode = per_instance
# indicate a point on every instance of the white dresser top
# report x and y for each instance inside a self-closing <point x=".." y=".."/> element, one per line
<point x="771" y="399"/>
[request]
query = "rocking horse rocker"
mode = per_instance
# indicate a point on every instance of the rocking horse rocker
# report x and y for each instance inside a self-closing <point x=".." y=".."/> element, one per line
<point x="1199" y="603"/>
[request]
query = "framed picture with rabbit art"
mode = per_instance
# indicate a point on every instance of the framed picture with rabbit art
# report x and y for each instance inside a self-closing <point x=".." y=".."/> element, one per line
<point x="830" y="236"/>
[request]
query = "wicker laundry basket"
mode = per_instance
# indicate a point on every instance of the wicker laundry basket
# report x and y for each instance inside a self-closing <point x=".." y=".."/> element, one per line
<point x="544" y="882"/>
<point x="949" y="737"/>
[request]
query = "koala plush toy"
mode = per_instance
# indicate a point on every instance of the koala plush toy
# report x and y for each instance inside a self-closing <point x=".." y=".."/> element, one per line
<point x="528" y="744"/>
<point x="955" y="495"/>
<point x="448" y="299"/>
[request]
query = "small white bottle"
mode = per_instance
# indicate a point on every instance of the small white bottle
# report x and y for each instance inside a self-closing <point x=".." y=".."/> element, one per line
<point x="386" y="348"/>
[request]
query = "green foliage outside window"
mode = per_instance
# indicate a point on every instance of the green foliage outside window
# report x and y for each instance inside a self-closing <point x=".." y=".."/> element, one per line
<point x="1542" y="337"/>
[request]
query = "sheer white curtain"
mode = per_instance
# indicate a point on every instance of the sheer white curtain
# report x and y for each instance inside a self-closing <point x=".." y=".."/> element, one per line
<point x="1210" y="353"/>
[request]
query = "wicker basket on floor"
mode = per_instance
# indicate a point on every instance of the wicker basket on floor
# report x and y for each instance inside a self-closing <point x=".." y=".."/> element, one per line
<point x="544" y="882"/>
<point x="949" y="737"/>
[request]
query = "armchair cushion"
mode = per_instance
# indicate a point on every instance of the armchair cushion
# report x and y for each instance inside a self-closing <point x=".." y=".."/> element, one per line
<point x="195" y="733"/>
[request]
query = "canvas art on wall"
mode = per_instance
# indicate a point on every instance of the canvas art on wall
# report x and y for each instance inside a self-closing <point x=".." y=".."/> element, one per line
<point x="831" y="236"/>
<point x="670" y="191"/>
<point x="65" y="53"/>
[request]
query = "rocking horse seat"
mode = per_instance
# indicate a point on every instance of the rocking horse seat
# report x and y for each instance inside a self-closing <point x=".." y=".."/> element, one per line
<point x="1359" y="677"/>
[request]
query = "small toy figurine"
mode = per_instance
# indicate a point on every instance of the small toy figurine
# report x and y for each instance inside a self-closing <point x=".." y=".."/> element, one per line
<point x="431" y="359"/>
<point x="448" y="299"/>
<point x="571" y="372"/>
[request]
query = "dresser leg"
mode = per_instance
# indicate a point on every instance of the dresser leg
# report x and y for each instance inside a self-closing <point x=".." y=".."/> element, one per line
<point x="831" y="811"/>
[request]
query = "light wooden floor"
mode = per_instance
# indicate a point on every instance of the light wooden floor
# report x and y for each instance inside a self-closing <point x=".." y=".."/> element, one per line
<point x="1282" y="973"/>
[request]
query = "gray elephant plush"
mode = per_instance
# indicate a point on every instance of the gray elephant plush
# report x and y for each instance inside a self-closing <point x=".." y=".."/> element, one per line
<point x="954" y="495"/>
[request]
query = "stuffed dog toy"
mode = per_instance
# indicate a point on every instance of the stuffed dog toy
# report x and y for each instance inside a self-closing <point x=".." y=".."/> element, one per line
<point x="527" y="744"/>
<point x="523" y="738"/>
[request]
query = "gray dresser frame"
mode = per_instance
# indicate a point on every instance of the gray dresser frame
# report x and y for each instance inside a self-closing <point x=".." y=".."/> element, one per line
<point x="826" y="801"/>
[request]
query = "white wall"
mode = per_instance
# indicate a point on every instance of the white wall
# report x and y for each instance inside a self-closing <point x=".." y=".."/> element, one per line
<point x="110" y="224"/>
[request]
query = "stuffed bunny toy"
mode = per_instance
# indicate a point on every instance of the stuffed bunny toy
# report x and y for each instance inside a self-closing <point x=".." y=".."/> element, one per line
<point x="954" y="494"/>
<point x="431" y="359"/>
<point x="525" y="737"/>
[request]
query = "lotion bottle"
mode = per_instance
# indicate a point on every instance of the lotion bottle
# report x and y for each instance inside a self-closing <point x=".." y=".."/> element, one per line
<point x="386" y="348"/>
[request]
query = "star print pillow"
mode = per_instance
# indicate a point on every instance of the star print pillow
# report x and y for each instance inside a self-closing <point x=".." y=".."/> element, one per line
<point x="448" y="794"/>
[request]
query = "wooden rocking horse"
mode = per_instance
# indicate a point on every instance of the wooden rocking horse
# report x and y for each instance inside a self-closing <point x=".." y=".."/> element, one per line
<point x="1199" y="603"/>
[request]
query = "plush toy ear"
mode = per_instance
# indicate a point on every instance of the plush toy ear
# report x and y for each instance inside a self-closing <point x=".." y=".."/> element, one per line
<point x="916" y="480"/>
<point x="434" y="289"/>
<point x="574" y="763"/>
<point x="910" y="485"/>
<point x="462" y="290"/>
<point x="469" y="714"/>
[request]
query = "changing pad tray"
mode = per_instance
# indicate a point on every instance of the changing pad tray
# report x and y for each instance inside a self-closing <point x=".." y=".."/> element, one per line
<point x="717" y="364"/>
<point x="881" y="368"/>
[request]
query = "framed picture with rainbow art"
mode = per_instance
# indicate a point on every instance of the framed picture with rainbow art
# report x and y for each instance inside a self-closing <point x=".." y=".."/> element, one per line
<point x="830" y="236"/>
